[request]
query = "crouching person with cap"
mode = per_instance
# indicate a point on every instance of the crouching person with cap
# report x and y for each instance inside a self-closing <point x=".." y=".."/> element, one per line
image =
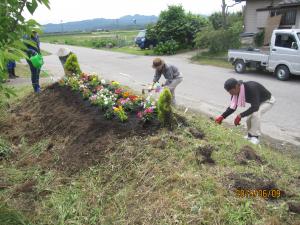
<point x="172" y="75"/>
<point x="63" y="54"/>
<point x="251" y="92"/>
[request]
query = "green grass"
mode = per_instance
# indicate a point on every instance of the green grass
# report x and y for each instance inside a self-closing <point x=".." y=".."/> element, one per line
<point x="22" y="70"/>
<point x="141" y="182"/>
<point x="11" y="217"/>
<point x="219" y="60"/>
<point x="123" y="39"/>
<point x="45" y="53"/>
<point x="86" y="40"/>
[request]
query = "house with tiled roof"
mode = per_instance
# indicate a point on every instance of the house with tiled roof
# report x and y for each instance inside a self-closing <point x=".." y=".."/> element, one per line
<point x="258" y="12"/>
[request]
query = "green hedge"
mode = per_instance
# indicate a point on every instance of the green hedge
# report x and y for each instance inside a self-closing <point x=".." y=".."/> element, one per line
<point x="166" y="48"/>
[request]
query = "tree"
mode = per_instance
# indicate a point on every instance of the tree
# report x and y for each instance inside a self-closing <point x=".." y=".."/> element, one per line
<point x="225" y="8"/>
<point x="13" y="27"/>
<point x="175" y="24"/>
<point x="216" y="19"/>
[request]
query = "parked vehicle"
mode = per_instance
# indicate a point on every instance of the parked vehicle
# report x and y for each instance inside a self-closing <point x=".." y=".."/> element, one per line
<point x="143" y="42"/>
<point x="282" y="57"/>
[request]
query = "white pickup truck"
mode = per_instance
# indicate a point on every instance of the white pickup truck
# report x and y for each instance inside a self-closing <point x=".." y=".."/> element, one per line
<point x="282" y="57"/>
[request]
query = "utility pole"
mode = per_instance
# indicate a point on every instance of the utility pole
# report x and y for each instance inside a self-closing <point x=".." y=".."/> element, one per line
<point x="224" y="16"/>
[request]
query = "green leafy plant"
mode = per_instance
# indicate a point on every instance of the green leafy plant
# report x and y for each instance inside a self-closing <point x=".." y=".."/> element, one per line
<point x="219" y="40"/>
<point x="167" y="48"/>
<point x="120" y="113"/>
<point x="259" y="39"/>
<point x="109" y="114"/>
<point x="176" y="24"/>
<point x="164" y="108"/>
<point x="103" y="43"/>
<point x="5" y="149"/>
<point x="72" y="66"/>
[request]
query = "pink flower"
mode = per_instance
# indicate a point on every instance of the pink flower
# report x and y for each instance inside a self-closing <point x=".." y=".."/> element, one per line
<point x="118" y="91"/>
<point x="93" y="98"/>
<point x="148" y="110"/>
<point x="140" y="115"/>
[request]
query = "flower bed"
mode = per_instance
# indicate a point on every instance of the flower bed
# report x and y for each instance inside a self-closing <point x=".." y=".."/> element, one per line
<point x="111" y="97"/>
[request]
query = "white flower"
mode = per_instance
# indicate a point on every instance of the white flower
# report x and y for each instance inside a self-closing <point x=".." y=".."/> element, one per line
<point x="103" y="81"/>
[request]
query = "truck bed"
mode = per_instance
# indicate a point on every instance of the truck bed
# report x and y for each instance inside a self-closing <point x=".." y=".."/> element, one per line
<point x="258" y="55"/>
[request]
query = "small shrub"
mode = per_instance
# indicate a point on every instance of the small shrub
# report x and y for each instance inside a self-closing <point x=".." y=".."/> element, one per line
<point x="219" y="40"/>
<point x="259" y="39"/>
<point x="166" y="48"/>
<point x="103" y="43"/>
<point x="5" y="149"/>
<point x="164" y="108"/>
<point x="72" y="65"/>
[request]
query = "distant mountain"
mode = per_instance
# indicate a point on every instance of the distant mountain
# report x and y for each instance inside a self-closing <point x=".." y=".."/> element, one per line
<point x="125" y="22"/>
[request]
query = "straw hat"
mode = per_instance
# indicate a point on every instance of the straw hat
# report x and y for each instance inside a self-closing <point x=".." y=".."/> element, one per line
<point x="63" y="52"/>
<point x="157" y="62"/>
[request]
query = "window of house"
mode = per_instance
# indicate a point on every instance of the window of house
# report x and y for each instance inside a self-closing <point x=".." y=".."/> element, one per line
<point x="288" y="16"/>
<point x="284" y="40"/>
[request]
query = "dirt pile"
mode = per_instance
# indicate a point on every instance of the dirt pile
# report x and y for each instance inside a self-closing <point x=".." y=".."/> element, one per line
<point x="79" y="136"/>
<point x="198" y="134"/>
<point x="203" y="155"/>
<point x="247" y="153"/>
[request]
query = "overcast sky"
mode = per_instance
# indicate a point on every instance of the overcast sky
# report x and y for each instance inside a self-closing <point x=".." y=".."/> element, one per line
<point x="75" y="10"/>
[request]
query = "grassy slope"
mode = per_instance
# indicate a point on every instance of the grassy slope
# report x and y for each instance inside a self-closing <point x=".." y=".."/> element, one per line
<point x="153" y="180"/>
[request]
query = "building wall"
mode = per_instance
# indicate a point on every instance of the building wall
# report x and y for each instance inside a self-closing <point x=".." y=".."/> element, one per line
<point x="254" y="19"/>
<point x="297" y="26"/>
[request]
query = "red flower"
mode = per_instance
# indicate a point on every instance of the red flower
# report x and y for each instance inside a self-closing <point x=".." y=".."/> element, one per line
<point x="133" y="98"/>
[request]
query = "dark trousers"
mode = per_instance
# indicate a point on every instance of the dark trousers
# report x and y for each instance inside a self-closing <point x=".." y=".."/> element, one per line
<point x="35" y="77"/>
<point x="11" y="72"/>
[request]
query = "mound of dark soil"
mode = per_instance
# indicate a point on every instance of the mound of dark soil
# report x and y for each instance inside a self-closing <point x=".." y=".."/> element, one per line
<point x="196" y="133"/>
<point x="247" y="153"/>
<point x="28" y="186"/>
<point x="294" y="207"/>
<point x="203" y="155"/>
<point x="251" y="182"/>
<point x="79" y="134"/>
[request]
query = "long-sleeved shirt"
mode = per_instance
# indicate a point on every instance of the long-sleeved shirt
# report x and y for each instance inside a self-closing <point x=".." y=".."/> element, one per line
<point x="170" y="73"/>
<point x="255" y="94"/>
<point x="31" y="50"/>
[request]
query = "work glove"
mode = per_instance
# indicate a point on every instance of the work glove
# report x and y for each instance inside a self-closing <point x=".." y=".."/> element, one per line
<point x="237" y="120"/>
<point x="219" y="119"/>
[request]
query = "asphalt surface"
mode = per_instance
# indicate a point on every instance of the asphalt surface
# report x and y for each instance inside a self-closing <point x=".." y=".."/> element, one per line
<point x="202" y="88"/>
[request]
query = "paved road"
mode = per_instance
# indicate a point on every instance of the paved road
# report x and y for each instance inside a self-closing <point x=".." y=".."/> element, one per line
<point x="202" y="88"/>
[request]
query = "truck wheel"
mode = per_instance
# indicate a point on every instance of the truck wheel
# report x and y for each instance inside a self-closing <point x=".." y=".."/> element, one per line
<point x="282" y="73"/>
<point x="240" y="66"/>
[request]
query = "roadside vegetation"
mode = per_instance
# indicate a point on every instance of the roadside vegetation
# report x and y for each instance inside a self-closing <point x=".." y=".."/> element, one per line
<point x="99" y="40"/>
<point x="175" y="31"/>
